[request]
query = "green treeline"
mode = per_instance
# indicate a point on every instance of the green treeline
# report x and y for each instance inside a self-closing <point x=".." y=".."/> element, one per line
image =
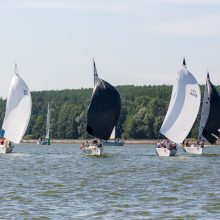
<point x="142" y="114"/>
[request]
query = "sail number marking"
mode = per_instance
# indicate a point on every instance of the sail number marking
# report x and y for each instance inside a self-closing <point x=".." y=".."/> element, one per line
<point x="25" y="91"/>
<point x="193" y="93"/>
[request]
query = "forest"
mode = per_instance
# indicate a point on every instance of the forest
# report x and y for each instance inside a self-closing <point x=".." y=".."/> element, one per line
<point x="142" y="113"/>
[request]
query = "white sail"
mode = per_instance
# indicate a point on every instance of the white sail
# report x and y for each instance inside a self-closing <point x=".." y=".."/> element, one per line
<point x="205" y="109"/>
<point x="183" y="107"/>
<point x="113" y="134"/>
<point x="48" y="123"/>
<point x="18" y="110"/>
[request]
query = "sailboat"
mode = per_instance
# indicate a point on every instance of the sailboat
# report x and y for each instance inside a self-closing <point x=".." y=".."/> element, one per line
<point x="209" y="129"/>
<point x="46" y="140"/>
<point x="182" y="112"/>
<point x="102" y="115"/>
<point x="114" y="141"/>
<point x="17" y="114"/>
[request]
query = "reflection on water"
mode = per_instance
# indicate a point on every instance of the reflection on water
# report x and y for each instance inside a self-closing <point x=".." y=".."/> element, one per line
<point x="130" y="182"/>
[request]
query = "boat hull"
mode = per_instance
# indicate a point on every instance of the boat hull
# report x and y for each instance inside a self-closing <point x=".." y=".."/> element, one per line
<point x="92" y="151"/>
<point x="164" y="152"/>
<point x="5" y="149"/>
<point x="193" y="149"/>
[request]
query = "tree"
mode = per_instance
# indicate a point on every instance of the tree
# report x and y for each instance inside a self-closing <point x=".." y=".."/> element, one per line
<point x="39" y="127"/>
<point x="142" y="112"/>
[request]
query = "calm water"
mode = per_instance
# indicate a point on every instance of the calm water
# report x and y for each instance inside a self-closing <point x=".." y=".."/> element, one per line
<point x="130" y="182"/>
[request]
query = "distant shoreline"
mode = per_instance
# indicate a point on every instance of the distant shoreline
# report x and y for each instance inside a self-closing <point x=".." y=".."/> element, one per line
<point x="80" y="141"/>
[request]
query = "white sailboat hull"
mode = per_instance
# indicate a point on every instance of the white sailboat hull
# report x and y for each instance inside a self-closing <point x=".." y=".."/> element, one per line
<point x="193" y="149"/>
<point x="5" y="149"/>
<point x="92" y="151"/>
<point x="164" y="152"/>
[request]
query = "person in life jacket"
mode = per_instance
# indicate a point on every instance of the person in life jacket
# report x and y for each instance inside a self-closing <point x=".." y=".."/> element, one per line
<point x="2" y="141"/>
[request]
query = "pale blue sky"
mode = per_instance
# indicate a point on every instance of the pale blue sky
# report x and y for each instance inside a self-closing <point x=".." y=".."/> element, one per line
<point x="138" y="42"/>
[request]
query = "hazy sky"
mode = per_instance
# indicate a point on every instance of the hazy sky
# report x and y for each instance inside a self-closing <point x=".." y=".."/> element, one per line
<point x="138" y="42"/>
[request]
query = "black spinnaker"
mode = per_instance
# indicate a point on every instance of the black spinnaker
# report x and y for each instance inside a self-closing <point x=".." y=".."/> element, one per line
<point x="104" y="110"/>
<point x="210" y="116"/>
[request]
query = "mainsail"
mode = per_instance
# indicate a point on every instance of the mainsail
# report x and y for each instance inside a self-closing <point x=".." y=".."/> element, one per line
<point x="48" y="123"/>
<point x="210" y="122"/>
<point x="113" y="134"/>
<point x="183" y="107"/>
<point x="95" y="72"/>
<point x="18" y="110"/>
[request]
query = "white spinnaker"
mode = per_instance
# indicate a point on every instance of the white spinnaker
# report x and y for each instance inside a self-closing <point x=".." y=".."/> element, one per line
<point x="183" y="107"/>
<point x="18" y="110"/>
<point x="48" y="123"/>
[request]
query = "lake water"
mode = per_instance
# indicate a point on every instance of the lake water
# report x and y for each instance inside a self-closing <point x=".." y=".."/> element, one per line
<point x="130" y="182"/>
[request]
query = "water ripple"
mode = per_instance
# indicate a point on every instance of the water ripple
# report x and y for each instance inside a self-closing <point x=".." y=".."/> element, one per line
<point x="130" y="182"/>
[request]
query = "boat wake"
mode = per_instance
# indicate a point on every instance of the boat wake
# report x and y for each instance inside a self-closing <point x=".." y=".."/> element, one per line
<point x="211" y="155"/>
<point x="17" y="155"/>
<point x="103" y="155"/>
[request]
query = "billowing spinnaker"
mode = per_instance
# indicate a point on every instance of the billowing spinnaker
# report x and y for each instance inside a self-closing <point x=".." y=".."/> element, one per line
<point x="209" y="129"/>
<point x="183" y="108"/>
<point x="18" y="110"/>
<point x="104" y="110"/>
